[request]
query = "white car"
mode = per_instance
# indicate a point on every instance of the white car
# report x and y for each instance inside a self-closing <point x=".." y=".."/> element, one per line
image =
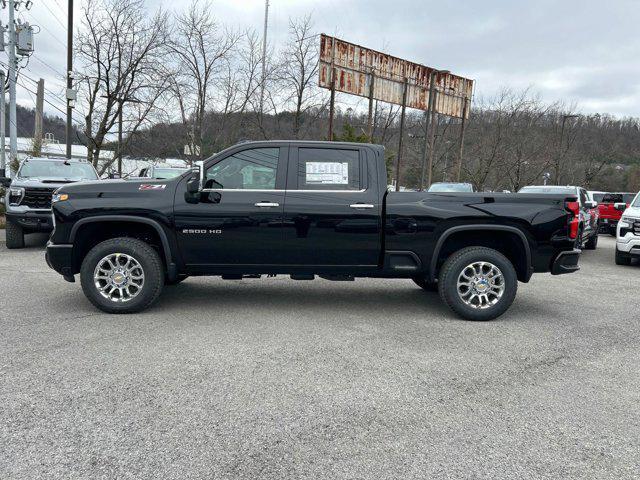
<point x="628" y="233"/>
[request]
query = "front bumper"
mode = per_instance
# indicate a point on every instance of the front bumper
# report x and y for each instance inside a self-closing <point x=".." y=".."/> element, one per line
<point x="60" y="259"/>
<point x="566" y="262"/>
<point x="629" y="244"/>
<point x="33" y="221"/>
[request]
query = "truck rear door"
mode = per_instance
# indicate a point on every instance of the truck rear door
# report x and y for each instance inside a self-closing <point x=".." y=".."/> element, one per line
<point x="332" y="212"/>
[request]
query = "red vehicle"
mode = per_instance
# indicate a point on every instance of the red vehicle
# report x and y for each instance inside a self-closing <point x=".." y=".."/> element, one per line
<point x="609" y="216"/>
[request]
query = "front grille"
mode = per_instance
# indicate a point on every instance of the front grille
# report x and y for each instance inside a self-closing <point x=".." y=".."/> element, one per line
<point x="37" y="197"/>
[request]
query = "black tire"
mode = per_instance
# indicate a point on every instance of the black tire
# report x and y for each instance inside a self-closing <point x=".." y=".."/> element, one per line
<point x="426" y="285"/>
<point x="457" y="263"/>
<point x="15" y="235"/>
<point x="149" y="261"/>
<point x="178" y="280"/>
<point x="622" y="259"/>
<point x="592" y="243"/>
<point x="579" y="240"/>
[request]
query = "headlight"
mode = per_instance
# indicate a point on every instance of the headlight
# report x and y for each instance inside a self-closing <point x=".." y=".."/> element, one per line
<point x="627" y="222"/>
<point x="16" y="194"/>
<point x="59" y="197"/>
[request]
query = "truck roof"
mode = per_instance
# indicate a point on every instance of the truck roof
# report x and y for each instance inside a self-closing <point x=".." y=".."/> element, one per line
<point x="311" y="142"/>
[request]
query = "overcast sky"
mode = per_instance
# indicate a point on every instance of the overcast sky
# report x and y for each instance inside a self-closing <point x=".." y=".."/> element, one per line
<point x="583" y="52"/>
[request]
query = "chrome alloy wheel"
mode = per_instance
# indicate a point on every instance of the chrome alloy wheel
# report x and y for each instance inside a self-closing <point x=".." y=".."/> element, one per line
<point x="118" y="277"/>
<point x="480" y="285"/>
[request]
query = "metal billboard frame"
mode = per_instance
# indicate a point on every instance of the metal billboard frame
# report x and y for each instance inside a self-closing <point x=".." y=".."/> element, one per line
<point x="350" y="68"/>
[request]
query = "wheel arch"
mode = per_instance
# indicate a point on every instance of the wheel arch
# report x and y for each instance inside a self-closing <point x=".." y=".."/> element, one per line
<point x="127" y="219"/>
<point x="523" y="266"/>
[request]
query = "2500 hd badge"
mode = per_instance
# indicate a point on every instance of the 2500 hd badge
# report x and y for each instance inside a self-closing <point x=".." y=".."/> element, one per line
<point x="307" y="209"/>
<point x="201" y="231"/>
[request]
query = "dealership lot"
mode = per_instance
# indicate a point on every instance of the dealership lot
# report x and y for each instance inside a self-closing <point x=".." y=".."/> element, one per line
<point x="273" y="378"/>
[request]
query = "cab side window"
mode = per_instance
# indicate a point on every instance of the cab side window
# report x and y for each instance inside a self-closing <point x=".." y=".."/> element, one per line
<point x="328" y="169"/>
<point x="253" y="169"/>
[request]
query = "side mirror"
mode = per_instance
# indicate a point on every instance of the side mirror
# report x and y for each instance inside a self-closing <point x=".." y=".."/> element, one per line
<point x="591" y="204"/>
<point x="5" y="181"/>
<point x="192" y="195"/>
<point x="620" y="206"/>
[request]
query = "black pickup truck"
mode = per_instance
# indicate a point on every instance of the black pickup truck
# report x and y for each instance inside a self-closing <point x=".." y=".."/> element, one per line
<point x="305" y="209"/>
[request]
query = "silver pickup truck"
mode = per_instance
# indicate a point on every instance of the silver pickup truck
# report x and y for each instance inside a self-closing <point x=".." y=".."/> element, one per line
<point x="28" y="197"/>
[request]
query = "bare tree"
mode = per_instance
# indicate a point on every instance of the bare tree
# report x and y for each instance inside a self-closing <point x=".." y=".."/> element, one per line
<point x="119" y="49"/>
<point x="202" y="49"/>
<point x="298" y="70"/>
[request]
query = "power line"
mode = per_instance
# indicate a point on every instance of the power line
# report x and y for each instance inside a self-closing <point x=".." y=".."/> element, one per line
<point x="54" y="16"/>
<point x="52" y="93"/>
<point x="53" y="69"/>
<point x="41" y="25"/>
<point x="48" y="102"/>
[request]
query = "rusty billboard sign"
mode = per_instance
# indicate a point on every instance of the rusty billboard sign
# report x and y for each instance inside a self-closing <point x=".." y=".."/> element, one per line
<point x="357" y="69"/>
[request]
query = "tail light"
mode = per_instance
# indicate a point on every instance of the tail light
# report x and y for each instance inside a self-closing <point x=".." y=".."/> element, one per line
<point x="574" y="222"/>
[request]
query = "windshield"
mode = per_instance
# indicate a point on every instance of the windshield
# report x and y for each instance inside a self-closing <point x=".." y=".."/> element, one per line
<point x="450" y="187"/>
<point x="618" y="197"/>
<point x="549" y="189"/>
<point x="165" y="173"/>
<point x="636" y="202"/>
<point x="58" y="170"/>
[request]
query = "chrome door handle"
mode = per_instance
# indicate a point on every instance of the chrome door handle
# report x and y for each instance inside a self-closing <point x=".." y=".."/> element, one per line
<point x="361" y="205"/>
<point x="267" y="204"/>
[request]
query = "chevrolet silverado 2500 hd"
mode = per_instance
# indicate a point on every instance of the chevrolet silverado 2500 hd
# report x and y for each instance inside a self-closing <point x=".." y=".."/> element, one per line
<point x="306" y="209"/>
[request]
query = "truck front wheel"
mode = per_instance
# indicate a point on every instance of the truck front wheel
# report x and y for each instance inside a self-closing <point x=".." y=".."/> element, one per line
<point x="15" y="235"/>
<point x="122" y="275"/>
<point x="478" y="283"/>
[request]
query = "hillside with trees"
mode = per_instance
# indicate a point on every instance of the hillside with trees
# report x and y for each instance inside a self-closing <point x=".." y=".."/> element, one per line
<point x="190" y="79"/>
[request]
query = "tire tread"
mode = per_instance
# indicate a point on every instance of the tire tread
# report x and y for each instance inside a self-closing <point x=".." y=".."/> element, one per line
<point x="447" y="297"/>
<point x="14" y="235"/>
<point x="116" y="243"/>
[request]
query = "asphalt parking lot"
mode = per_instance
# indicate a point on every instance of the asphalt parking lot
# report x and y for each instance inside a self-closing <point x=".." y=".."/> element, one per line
<point x="273" y="378"/>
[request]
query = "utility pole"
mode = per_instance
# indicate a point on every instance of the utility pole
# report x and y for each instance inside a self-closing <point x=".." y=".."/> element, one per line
<point x="37" y="134"/>
<point x="70" y="92"/>
<point x="3" y="129"/>
<point x="559" y="155"/>
<point x="120" y="138"/>
<point x="264" y="56"/>
<point x="13" y="63"/>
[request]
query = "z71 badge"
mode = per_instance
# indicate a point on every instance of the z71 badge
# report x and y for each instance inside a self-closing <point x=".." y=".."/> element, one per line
<point x="152" y="186"/>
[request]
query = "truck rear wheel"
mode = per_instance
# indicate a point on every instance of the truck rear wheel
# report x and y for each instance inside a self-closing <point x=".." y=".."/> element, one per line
<point x="592" y="243"/>
<point x="15" y="235"/>
<point x="122" y="275"/>
<point x="478" y="283"/>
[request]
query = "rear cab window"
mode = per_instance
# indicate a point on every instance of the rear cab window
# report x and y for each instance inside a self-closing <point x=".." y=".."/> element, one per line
<point x="328" y="169"/>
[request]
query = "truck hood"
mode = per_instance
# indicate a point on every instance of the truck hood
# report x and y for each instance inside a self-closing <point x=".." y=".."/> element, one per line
<point x="41" y="182"/>
<point x="103" y="188"/>
<point x="632" y="212"/>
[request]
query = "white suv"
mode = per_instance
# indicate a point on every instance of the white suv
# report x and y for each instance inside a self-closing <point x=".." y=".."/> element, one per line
<point x="628" y="233"/>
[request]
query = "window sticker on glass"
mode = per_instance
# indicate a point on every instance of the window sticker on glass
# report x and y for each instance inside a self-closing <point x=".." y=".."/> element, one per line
<point x="334" y="173"/>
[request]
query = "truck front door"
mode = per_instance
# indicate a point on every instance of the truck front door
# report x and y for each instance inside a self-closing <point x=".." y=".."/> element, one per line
<point x="239" y="218"/>
<point x="332" y="214"/>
